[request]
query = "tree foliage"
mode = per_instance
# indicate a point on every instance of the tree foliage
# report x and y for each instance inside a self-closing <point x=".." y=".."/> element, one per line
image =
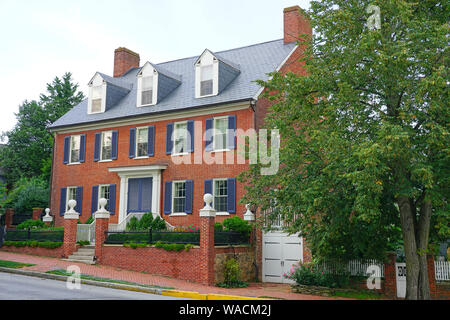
<point x="365" y="139"/>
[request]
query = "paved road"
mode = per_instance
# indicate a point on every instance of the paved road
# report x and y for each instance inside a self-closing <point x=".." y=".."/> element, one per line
<point x="18" y="287"/>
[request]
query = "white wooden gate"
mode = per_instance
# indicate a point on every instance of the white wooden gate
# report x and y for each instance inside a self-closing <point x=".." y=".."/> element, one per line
<point x="400" y="276"/>
<point x="280" y="253"/>
<point x="86" y="232"/>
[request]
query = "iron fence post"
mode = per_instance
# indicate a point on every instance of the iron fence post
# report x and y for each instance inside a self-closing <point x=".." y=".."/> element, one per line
<point x="150" y="235"/>
<point x="29" y="233"/>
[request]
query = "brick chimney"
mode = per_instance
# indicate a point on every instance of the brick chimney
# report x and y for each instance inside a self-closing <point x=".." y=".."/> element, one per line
<point x="124" y="60"/>
<point x="295" y="23"/>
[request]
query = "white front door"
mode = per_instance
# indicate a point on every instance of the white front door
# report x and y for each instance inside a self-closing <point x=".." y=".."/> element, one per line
<point x="400" y="276"/>
<point x="280" y="252"/>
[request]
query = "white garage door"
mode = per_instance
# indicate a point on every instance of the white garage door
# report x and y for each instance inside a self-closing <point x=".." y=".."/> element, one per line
<point x="280" y="252"/>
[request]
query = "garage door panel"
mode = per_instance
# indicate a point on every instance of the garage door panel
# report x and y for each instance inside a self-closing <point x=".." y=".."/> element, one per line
<point x="273" y="250"/>
<point x="292" y="252"/>
<point x="273" y="267"/>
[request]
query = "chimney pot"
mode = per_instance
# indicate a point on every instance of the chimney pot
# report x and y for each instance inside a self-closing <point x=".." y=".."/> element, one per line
<point x="124" y="60"/>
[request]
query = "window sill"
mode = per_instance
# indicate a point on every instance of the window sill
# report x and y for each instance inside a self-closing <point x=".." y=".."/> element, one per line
<point x="73" y="163"/>
<point x="180" y="154"/>
<point x="206" y="96"/>
<point x="181" y="214"/>
<point x="108" y="160"/>
<point x="222" y="213"/>
<point x="147" y="105"/>
<point x="143" y="157"/>
<point x="221" y="150"/>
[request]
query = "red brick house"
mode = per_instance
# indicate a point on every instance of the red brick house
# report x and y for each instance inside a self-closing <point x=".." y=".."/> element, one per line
<point x="125" y="141"/>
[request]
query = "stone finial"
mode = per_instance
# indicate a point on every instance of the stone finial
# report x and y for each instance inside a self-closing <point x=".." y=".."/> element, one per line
<point x="47" y="217"/>
<point x="102" y="213"/>
<point x="71" y="213"/>
<point x="249" y="215"/>
<point x="208" y="211"/>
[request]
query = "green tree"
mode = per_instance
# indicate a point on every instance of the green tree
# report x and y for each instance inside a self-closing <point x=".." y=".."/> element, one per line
<point x="28" y="152"/>
<point x="365" y="139"/>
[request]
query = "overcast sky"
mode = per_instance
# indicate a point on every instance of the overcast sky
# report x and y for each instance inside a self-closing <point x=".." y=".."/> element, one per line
<point x="43" y="39"/>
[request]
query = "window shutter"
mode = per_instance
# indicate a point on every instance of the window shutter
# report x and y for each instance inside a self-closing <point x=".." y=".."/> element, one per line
<point x="231" y="201"/>
<point x="151" y="141"/>
<point x="190" y="128"/>
<point x="189" y="196"/>
<point x="82" y="147"/>
<point x="168" y="197"/>
<point x="132" y="147"/>
<point x="169" y="141"/>
<point x="114" y="147"/>
<point x="66" y="150"/>
<point x="208" y="188"/>
<point x="231" y="139"/>
<point x="209" y="137"/>
<point x="112" y="199"/>
<point x="94" y="204"/>
<point x="79" y="206"/>
<point x="62" y="205"/>
<point x="98" y="137"/>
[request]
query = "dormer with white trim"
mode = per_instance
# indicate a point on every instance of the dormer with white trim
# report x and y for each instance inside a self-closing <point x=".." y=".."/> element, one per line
<point x="97" y="95"/>
<point x="213" y="74"/>
<point x="154" y="84"/>
<point x="105" y="92"/>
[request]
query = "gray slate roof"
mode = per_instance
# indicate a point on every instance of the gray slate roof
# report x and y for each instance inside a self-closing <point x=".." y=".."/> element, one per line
<point x="255" y="62"/>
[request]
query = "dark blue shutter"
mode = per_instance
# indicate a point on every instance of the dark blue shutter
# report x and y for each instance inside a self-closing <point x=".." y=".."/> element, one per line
<point x="189" y="196"/>
<point x="62" y="205"/>
<point x="208" y="188"/>
<point x="209" y="137"/>
<point x="98" y="137"/>
<point x="115" y="142"/>
<point x="82" y="147"/>
<point x="151" y="141"/>
<point x="169" y="141"/>
<point x="66" y="150"/>
<point x="231" y="201"/>
<point x="231" y="139"/>
<point x="79" y="199"/>
<point x="112" y="199"/>
<point x="132" y="148"/>
<point x="94" y="204"/>
<point x="168" y="197"/>
<point x="190" y="128"/>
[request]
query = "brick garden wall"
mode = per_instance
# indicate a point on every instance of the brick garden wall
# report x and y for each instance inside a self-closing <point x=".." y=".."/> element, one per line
<point x="244" y="255"/>
<point x="44" y="252"/>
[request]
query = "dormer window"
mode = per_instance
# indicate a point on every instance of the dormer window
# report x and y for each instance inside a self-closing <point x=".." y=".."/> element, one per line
<point x="206" y="80"/>
<point x="97" y="95"/>
<point x="147" y="94"/>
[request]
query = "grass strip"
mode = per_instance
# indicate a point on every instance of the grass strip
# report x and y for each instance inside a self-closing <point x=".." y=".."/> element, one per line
<point x="62" y="272"/>
<point x="13" y="264"/>
<point x="358" y="295"/>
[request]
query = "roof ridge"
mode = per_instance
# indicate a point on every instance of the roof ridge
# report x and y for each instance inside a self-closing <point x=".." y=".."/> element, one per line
<point x="218" y="52"/>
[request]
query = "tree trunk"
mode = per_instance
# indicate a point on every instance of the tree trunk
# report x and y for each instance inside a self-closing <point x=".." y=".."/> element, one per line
<point x="415" y="240"/>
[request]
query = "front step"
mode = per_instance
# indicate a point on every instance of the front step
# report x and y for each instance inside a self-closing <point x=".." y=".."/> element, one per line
<point x="84" y="254"/>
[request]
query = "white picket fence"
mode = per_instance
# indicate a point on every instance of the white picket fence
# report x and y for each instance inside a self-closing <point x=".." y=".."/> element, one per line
<point x="442" y="270"/>
<point x="356" y="267"/>
<point x="86" y="232"/>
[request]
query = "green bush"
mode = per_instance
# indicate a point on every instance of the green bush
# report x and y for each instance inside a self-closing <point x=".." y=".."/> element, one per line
<point x="132" y="225"/>
<point x="238" y="225"/>
<point x="232" y="274"/>
<point x="83" y="242"/>
<point x="32" y="224"/>
<point x="28" y="193"/>
<point x="218" y="227"/>
<point x="34" y="244"/>
<point x="89" y="220"/>
<point x="311" y="274"/>
<point x="145" y="223"/>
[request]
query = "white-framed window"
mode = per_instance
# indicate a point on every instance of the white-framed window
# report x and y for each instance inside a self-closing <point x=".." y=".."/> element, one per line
<point x="147" y="91"/>
<point x="103" y="192"/>
<point x="142" y="142"/>
<point x="220" y="192"/>
<point x="180" y="138"/>
<point x="206" y="80"/>
<point x="106" y="146"/>
<point x="96" y="99"/>
<point x="179" y="197"/>
<point x="75" y="149"/>
<point x="220" y="140"/>
<point x="71" y="195"/>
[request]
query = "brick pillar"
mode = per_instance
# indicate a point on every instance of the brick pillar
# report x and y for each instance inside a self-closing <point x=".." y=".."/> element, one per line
<point x="207" y="249"/>
<point x="101" y="227"/>
<point x="70" y="229"/>
<point x="9" y="213"/>
<point x="431" y="275"/>
<point x="390" y="281"/>
<point x="36" y="213"/>
<point x="307" y="255"/>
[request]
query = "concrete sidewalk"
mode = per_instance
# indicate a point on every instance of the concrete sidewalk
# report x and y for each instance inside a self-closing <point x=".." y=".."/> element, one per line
<point x="178" y="287"/>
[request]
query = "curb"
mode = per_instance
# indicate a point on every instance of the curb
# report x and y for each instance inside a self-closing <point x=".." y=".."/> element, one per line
<point x="163" y="292"/>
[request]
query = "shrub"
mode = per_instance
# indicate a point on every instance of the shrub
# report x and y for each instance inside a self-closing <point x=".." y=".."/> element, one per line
<point x="132" y="225"/>
<point x="146" y="222"/>
<point x="311" y="274"/>
<point x="34" y="244"/>
<point x="89" y="220"/>
<point x="28" y="193"/>
<point x="32" y="224"/>
<point x="237" y="224"/>
<point x="218" y="227"/>
<point x="232" y="274"/>
<point x="83" y="242"/>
